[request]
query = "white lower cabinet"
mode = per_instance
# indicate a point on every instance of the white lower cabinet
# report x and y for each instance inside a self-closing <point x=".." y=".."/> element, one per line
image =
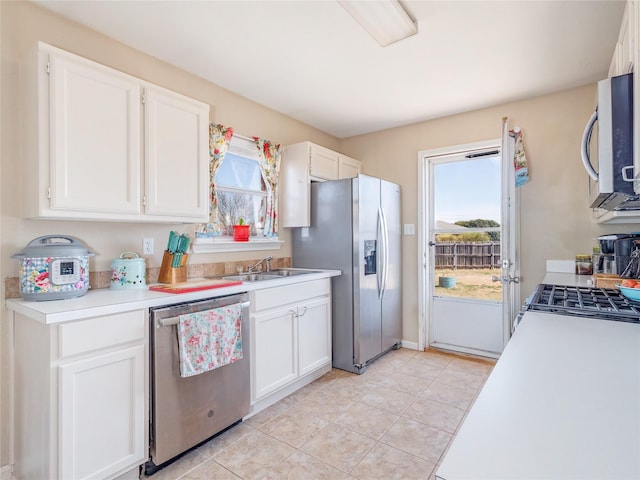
<point x="275" y="357"/>
<point x="81" y="397"/>
<point x="102" y="394"/>
<point x="291" y="338"/>
<point x="314" y="335"/>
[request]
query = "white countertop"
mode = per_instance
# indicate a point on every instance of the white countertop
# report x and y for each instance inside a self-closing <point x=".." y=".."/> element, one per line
<point x="105" y="301"/>
<point x="562" y="402"/>
<point x="568" y="279"/>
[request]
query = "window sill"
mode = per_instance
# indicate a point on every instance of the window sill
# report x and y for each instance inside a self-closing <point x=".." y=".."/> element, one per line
<point x="226" y="244"/>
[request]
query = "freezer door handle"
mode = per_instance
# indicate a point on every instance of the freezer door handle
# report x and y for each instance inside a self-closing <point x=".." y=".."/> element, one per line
<point x="386" y="251"/>
<point x="382" y="221"/>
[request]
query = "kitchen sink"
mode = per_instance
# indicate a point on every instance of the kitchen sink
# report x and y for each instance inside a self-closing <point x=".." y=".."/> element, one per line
<point x="286" y="272"/>
<point x="252" y="277"/>
<point x="270" y="275"/>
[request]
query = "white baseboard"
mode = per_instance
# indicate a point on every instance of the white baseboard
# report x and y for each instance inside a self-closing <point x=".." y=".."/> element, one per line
<point x="6" y="472"/>
<point x="410" y="345"/>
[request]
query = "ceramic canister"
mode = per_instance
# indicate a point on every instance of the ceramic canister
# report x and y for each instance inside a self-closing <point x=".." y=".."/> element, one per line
<point x="129" y="271"/>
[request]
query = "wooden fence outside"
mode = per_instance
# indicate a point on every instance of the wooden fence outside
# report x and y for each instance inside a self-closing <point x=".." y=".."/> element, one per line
<point x="454" y="255"/>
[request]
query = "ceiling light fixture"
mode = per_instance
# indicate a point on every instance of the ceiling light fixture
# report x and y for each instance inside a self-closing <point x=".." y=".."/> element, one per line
<point x="385" y="20"/>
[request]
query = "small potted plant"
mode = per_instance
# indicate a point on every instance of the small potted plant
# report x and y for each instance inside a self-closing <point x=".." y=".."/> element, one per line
<point x="241" y="231"/>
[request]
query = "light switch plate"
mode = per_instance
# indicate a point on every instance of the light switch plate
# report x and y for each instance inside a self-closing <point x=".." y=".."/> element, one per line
<point x="409" y="229"/>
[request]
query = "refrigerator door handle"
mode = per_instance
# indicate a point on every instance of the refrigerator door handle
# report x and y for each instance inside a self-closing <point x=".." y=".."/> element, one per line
<point x="385" y="250"/>
<point x="379" y="248"/>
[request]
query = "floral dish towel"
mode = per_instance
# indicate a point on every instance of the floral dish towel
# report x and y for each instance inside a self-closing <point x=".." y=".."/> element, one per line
<point x="209" y="339"/>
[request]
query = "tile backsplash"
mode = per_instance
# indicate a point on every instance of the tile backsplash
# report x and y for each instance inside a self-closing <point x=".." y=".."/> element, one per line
<point x="103" y="279"/>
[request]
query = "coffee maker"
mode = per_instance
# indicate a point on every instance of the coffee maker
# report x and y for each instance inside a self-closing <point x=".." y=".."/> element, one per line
<point x="622" y="251"/>
<point x="615" y="252"/>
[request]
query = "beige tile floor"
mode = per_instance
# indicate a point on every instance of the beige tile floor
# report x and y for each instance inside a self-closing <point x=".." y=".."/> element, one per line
<point x="394" y="421"/>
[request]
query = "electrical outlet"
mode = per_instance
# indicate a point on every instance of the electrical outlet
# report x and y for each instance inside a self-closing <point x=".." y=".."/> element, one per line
<point x="147" y="246"/>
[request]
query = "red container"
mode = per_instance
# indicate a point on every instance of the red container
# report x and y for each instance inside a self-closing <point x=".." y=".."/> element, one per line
<point x="241" y="233"/>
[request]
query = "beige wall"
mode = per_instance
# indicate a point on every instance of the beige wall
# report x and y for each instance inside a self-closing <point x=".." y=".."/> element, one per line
<point x="555" y="221"/>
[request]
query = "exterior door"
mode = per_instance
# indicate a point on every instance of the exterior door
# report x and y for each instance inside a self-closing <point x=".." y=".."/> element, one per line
<point x="467" y="242"/>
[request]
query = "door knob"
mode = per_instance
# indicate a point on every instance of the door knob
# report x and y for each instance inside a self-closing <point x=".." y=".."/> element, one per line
<point x="507" y="279"/>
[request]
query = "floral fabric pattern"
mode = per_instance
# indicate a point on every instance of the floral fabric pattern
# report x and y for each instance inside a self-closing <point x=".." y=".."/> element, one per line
<point x="120" y="277"/>
<point x="269" y="155"/>
<point x="209" y="339"/>
<point x="519" y="158"/>
<point x="35" y="276"/>
<point x="219" y="138"/>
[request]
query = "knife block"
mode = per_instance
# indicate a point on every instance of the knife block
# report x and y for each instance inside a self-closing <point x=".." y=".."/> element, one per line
<point x="169" y="274"/>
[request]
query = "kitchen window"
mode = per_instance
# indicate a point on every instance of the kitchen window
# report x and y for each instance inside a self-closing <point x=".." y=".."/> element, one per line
<point x="240" y="193"/>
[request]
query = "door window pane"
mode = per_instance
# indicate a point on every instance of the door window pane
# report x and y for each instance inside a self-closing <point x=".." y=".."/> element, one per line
<point x="467" y="190"/>
<point x="467" y="211"/>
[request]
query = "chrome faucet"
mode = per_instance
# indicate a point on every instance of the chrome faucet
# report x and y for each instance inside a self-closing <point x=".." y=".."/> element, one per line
<point x="266" y="261"/>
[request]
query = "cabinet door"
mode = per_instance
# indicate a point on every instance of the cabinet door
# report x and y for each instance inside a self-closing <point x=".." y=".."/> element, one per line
<point x="294" y="182"/>
<point x="323" y="163"/>
<point x="101" y="406"/>
<point x="348" y="167"/>
<point x="95" y="139"/>
<point x="176" y="156"/>
<point x="314" y="335"/>
<point x="274" y="354"/>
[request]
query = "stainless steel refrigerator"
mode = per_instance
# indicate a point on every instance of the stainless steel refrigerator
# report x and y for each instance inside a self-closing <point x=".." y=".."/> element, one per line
<point x="355" y="228"/>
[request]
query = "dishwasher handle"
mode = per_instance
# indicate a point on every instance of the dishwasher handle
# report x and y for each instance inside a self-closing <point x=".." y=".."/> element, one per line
<point x="168" y="322"/>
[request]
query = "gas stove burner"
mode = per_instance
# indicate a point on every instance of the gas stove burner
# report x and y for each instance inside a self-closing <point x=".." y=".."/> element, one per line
<point x="603" y="303"/>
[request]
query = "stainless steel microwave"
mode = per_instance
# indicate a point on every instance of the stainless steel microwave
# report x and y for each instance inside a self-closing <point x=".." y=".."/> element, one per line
<point x="607" y="146"/>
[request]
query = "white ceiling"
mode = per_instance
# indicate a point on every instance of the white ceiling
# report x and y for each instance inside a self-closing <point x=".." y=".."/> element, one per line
<point x="310" y="59"/>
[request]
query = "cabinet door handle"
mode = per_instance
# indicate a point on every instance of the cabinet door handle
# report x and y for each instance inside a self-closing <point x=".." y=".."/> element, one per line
<point x="304" y="310"/>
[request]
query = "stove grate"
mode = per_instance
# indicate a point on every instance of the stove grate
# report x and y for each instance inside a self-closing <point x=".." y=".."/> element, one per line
<point x="605" y="303"/>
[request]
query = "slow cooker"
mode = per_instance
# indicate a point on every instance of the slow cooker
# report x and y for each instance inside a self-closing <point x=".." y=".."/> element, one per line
<point x="53" y="267"/>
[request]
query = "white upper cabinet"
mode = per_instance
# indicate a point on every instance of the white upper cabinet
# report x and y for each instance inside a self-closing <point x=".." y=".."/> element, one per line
<point x="633" y="12"/>
<point x="176" y="141"/>
<point x="624" y="55"/>
<point x="348" y="167"/>
<point x="95" y="139"/>
<point x="302" y="163"/>
<point x="626" y="58"/>
<point x="111" y="146"/>
<point x="323" y="163"/>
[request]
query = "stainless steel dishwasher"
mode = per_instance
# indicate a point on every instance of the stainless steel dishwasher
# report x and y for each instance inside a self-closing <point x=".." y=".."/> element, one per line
<point x="188" y="411"/>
